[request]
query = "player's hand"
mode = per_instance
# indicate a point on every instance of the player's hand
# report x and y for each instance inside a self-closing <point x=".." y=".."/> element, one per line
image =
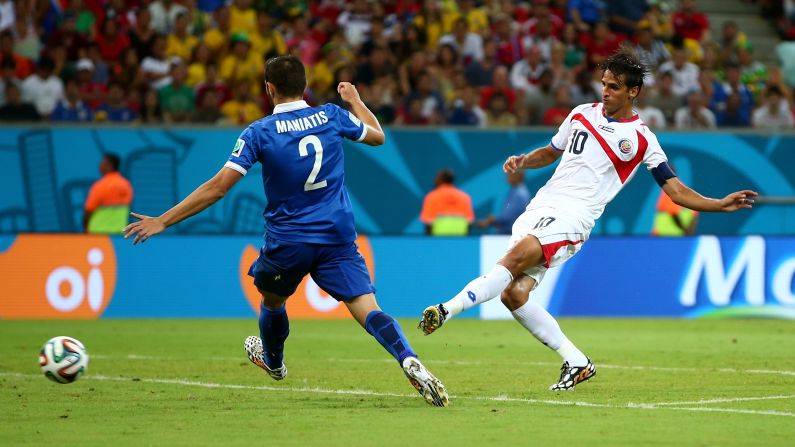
<point x="738" y="200"/>
<point x="348" y="92"/>
<point x="513" y="163"/>
<point x="143" y="229"/>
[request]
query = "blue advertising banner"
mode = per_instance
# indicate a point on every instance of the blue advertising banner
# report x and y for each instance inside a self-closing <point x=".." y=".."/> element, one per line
<point x="87" y="277"/>
<point x="49" y="172"/>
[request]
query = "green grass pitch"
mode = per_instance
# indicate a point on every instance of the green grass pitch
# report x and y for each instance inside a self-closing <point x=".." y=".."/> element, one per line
<point x="188" y="382"/>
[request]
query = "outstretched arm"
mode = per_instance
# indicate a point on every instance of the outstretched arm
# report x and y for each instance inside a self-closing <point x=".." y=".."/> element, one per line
<point x="538" y="158"/>
<point x="688" y="198"/>
<point x="199" y="200"/>
<point x="375" y="135"/>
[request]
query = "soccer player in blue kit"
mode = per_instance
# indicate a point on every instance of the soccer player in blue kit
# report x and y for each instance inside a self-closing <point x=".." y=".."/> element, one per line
<point x="308" y="220"/>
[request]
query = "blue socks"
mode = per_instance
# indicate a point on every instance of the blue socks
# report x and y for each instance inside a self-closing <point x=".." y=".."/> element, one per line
<point x="388" y="332"/>
<point x="274" y="327"/>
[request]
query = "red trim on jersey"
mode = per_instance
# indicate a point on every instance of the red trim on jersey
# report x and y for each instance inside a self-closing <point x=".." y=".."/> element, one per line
<point x="623" y="168"/>
<point x="549" y="250"/>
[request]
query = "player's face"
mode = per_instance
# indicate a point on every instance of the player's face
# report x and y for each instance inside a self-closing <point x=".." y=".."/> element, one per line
<point x="616" y="97"/>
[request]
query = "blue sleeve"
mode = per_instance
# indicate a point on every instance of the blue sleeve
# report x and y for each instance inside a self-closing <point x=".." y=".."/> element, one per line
<point x="245" y="153"/>
<point x="349" y="126"/>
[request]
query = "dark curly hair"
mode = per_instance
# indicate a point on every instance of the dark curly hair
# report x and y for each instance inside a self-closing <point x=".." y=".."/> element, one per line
<point x="626" y="65"/>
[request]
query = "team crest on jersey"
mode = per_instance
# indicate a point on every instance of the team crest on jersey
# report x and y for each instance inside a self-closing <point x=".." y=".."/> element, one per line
<point x="239" y="145"/>
<point x="625" y="146"/>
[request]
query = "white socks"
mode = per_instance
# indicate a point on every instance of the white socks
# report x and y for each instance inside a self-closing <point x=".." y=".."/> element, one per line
<point x="544" y="327"/>
<point x="479" y="290"/>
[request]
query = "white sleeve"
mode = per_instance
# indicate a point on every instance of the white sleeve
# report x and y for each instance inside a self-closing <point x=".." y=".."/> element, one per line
<point x="558" y="142"/>
<point x="654" y="153"/>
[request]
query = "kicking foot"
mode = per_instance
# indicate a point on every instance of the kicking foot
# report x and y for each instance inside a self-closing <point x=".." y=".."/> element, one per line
<point x="253" y="347"/>
<point x="429" y="387"/>
<point x="432" y="318"/>
<point x="570" y="376"/>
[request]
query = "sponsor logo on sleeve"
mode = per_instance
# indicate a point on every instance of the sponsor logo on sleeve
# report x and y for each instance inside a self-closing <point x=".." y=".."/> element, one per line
<point x="239" y="145"/>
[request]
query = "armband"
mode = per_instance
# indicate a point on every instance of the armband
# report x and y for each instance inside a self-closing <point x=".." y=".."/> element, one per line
<point x="662" y="173"/>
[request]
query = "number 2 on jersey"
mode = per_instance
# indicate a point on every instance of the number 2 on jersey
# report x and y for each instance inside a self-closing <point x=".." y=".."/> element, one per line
<point x="310" y="184"/>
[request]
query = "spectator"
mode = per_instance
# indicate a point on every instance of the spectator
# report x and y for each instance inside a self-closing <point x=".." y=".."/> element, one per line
<point x="356" y="21"/>
<point x="752" y="73"/>
<point x="731" y="38"/>
<point x="733" y="102"/>
<point x="555" y="115"/>
<point x="92" y="94"/>
<point x="155" y="69"/>
<point x="213" y="83"/>
<point x="468" y="44"/>
<point x="115" y="109"/>
<point x="585" y="14"/>
<point x="515" y="203"/>
<point x="14" y="110"/>
<point x="658" y="20"/>
<point x="652" y="51"/>
<point x="267" y="41"/>
<point x="23" y="65"/>
<point x="198" y="65"/>
<point x="602" y="44"/>
<point x="665" y="99"/>
<point x="509" y="47"/>
<point x="217" y="38"/>
<point x="241" y="65"/>
<point x="411" y="113"/>
<point x="774" y="113"/>
<point x="101" y="72"/>
<point x="500" y="85"/>
<point x="498" y="113"/>
<point x="164" y="15"/>
<point x="177" y="100"/>
<point x="7" y="78"/>
<point x="26" y="41"/>
<point x="479" y="73"/>
<point x="694" y="116"/>
<point x="241" y="109"/>
<point x="180" y="43"/>
<point x="685" y="74"/>
<point x="142" y="35"/>
<point x="624" y="16"/>
<point x="242" y="17"/>
<point x="42" y="88"/>
<point x="652" y="116"/>
<point x="583" y="90"/>
<point x="476" y="17"/>
<point x="575" y="53"/>
<point x="150" y="108"/>
<point x="71" y="108"/>
<point x="7" y="14"/>
<point x="543" y="39"/>
<point x="68" y="36"/>
<point x="447" y="210"/>
<point x="108" y="203"/>
<point x="689" y="22"/>
<point x="465" y="110"/>
<point x="127" y="71"/>
<point x="430" y="99"/>
<point x="208" y="111"/>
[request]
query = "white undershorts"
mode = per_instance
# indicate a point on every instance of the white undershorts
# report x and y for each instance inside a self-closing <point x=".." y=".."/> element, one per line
<point x="561" y="236"/>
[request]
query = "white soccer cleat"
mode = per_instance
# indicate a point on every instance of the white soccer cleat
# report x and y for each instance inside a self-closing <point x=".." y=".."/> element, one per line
<point x="429" y="387"/>
<point x="253" y="347"/>
<point x="570" y="376"/>
<point x="432" y="318"/>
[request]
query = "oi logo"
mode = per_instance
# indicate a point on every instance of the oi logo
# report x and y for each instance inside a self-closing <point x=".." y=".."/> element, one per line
<point x="57" y="276"/>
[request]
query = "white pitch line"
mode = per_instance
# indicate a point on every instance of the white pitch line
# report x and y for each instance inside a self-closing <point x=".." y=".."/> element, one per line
<point x="727" y="400"/>
<point x="475" y="363"/>
<point x="385" y="394"/>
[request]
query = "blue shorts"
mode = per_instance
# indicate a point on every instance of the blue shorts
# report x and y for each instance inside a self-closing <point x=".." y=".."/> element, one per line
<point x="338" y="269"/>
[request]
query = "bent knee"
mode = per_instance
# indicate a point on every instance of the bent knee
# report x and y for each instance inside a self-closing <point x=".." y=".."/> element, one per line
<point x="513" y="298"/>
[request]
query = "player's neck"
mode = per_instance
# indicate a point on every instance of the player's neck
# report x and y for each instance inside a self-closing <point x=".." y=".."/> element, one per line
<point x="621" y="114"/>
<point x="280" y="100"/>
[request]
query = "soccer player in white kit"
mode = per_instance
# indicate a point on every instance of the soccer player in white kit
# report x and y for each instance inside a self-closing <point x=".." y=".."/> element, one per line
<point x="601" y="146"/>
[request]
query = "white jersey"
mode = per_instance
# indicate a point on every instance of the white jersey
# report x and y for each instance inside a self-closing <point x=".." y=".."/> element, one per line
<point x="600" y="156"/>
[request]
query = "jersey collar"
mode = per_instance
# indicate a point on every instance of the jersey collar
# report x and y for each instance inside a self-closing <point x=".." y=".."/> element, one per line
<point x="290" y="106"/>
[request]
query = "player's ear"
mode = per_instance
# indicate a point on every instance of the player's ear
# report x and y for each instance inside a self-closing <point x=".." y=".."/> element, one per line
<point x="269" y="89"/>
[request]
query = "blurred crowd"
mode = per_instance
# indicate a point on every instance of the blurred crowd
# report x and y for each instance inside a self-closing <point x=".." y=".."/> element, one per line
<point x="490" y="63"/>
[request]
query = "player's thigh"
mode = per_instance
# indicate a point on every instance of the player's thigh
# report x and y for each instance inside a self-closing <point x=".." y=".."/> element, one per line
<point x="517" y="293"/>
<point x="340" y="270"/>
<point x="280" y="267"/>
<point x="558" y="237"/>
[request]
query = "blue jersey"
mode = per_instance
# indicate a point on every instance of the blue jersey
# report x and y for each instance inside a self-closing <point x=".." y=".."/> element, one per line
<point x="300" y="148"/>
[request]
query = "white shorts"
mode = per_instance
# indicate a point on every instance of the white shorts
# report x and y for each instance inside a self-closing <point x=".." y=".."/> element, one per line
<point x="561" y="237"/>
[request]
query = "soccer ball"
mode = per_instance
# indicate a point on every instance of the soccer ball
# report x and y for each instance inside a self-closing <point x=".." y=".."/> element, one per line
<point x="63" y="359"/>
